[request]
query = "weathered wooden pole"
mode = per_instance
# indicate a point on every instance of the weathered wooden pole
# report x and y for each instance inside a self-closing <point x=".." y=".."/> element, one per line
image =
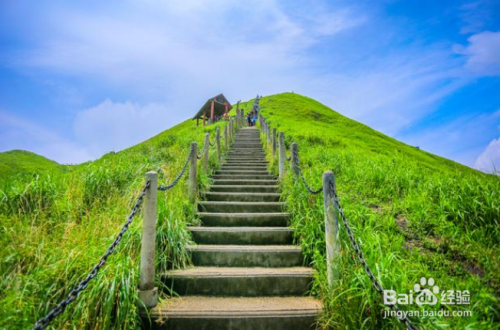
<point x="226" y="142"/>
<point x="207" y="152"/>
<point x="282" y="152"/>
<point x="217" y="138"/>
<point x="148" y="294"/>
<point x="192" y="173"/>
<point x="331" y="227"/>
<point x="274" y="141"/>
<point x="230" y="130"/>
<point x="269" y="134"/>
<point x="294" y="161"/>
<point x="212" y="109"/>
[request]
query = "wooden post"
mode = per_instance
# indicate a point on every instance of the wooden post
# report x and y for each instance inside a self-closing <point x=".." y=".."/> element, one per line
<point x="217" y="138"/>
<point x="207" y="152"/>
<point x="226" y="142"/>
<point x="192" y="187"/>
<point x="230" y="129"/>
<point x="148" y="294"/>
<point x="331" y="227"/>
<point x="274" y="141"/>
<point x="294" y="161"/>
<point x="282" y="152"/>
<point x="212" y="109"/>
<point x="269" y="134"/>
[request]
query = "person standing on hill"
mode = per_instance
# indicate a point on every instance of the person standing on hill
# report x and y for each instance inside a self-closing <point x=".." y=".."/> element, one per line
<point x="249" y="119"/>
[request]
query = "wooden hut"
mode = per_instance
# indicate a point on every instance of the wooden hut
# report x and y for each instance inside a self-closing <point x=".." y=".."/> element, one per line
<point x="215" y="107"/>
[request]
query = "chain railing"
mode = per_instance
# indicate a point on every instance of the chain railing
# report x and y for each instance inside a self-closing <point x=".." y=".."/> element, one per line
<point x="332" y="210"/>
<point x="56" y="311"/>
<point x="148" y="196"/>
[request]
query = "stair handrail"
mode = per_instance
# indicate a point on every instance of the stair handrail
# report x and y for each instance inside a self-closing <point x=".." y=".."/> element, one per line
<point x="148" y="293"/>
<point x="332" y="211"/>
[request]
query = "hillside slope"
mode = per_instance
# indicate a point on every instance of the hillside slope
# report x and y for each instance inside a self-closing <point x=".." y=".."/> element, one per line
<point x="20" y="162"/>
<point x="414" y="214"/>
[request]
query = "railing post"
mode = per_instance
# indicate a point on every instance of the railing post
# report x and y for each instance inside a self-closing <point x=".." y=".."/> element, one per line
<point x="192" y="187"/>
<point x="226" y="144"/>
<point x="217" y="137"/>
<point x="331" y="227"/>
<point x="269" y="134"/>
<point x="274" y="142"/>
<point x="207" y="152"/>
<point x="230" y="129"/>
<point x="294" y="161"/>
<point x="148" y="294"/>
<point x="282" y="152"/>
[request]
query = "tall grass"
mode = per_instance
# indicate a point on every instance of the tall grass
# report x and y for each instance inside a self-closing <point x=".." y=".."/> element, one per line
<point x="54" y="228"/>
<point x="414" y="215"/>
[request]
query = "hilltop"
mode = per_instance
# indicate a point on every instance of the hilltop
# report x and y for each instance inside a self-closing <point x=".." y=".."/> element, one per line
<point x="413" y="213"/>
<point x="21" y="162"/>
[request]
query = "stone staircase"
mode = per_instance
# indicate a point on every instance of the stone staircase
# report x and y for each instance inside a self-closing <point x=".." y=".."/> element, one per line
<point x="246" y="274"/>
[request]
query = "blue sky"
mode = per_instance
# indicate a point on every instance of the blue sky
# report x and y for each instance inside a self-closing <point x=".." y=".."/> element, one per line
<point x="79" y="79"/>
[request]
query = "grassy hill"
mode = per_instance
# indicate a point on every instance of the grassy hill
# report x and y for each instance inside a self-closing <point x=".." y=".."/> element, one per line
<point x="20" y="162"/>
<point x="414" y="214"/>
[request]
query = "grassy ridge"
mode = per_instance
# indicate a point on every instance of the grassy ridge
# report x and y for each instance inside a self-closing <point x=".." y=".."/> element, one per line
<point x="414" y="214"/>
<point x="25" y="163"/>
<point x="54" y="228"/>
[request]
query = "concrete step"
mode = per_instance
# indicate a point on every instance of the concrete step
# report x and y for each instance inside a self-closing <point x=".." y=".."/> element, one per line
<point x="246" y="182"/>
<point x="243" y="176"/>
<point x="244" y="219"/>
<point x="236" y="161"/>
<point x="231" y="313"/>
<point x="242" y="171"/>
<point x="246" y="255"/>
<point x="242" y="235"/>
<point x="243" y="188"/>
<point x="243" y="168"/>
<point x="241" y="207"/>
<point x="245" y="158"/>
<point x="236" y="281"/>
<point x="242" y="196"/>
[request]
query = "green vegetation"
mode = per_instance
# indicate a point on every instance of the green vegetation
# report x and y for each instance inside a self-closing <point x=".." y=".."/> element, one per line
<point x="413" y="213"/>
<point x="55" y="227"/>
<point x="16" y="163"/>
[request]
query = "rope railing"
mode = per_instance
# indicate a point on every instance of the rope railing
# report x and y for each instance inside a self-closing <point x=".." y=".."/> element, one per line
<point x="148" y="293"/>
<point x="332" y="211"/>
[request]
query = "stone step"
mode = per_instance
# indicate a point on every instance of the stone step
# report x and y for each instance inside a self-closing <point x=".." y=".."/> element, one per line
<point x="243" y="176"/>
<point x="239" y="281"/>
<point x="243" y="188"/>
<point x="245" y="158"/>
<point x="242" y="235"/>
<point x="242" y="171"/>
<point x="246" y="255"/>
<point x="243" y="168"/>
<point x="246" y="182"/>
<point x="242" y="196"/>
<point x="244" y="219"/>
<point x="231" y="313"/>
<point x="241" y="207"/>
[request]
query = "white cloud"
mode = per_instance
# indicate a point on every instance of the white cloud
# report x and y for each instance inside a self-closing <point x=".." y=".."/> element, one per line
<point x="489" y="160"/>
<point x="483" y="53"/>
<point x="113" y="126"/>
<point x="17" y="133"/>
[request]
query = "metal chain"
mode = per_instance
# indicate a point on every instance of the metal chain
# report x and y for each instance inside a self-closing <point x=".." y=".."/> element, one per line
<point x="378" y="287"/>
<point x="167" y="187"/>
<point x="200" y="156"/>
<point x="312" y="191"/>
<point x="45" y="321"/>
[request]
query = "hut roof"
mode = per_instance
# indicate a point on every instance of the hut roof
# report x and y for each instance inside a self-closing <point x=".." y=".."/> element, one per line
<point x="219" y="106"/>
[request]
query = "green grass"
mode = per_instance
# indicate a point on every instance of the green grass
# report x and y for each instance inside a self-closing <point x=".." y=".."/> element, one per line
<point x="414" y="214"/>
<point x="55" y="227"/>
<point x="21" y="163"/>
